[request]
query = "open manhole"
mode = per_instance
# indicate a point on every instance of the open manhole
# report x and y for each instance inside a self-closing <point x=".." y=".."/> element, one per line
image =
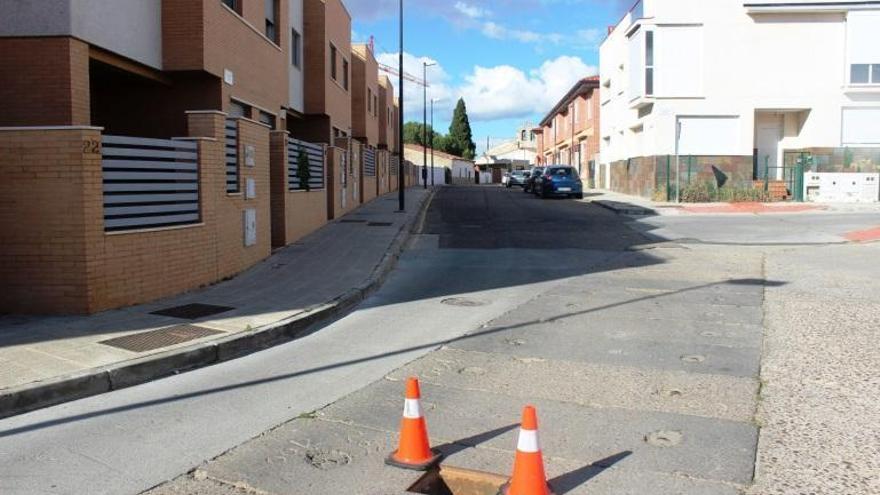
<point x="157" y="339"/>
<point x="192" y="311"/>
<point x="449" y="480"/>
<point x="466" y="302"/>
<point x="380" y="224"/>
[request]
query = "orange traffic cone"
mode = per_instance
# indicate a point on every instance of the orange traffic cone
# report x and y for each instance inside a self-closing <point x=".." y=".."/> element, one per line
<point x="528" y="467"/>
<point x="414" y="451"/>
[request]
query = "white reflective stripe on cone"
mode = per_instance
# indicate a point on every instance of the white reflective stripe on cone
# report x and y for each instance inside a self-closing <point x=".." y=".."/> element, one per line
<point x="528" y="441"/>
<point x="412" y="409"/>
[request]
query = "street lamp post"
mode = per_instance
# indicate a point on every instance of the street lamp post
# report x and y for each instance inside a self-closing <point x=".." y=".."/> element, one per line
<point x="401" y="200"/>
<point x="425" y="66"/>
<point x="432" y="142"/>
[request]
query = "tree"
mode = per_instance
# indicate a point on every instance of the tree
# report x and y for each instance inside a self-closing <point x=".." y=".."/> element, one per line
<point x="460" y="141"/>
<point x="303" y="171"/>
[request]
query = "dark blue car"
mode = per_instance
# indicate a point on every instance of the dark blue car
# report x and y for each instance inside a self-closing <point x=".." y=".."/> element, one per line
<point x="559" y="180"/>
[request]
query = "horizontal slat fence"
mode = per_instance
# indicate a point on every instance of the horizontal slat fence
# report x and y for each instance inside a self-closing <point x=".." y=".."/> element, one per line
<point x="394" y="162"/>
<point x="232" y="182"/>
<point x="315" y="153"/>
<point x="149" y="183"/>
<point x="369" y="162"/>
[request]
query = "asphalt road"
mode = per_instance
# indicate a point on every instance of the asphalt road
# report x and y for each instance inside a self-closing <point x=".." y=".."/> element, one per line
<point x="641" y="358"/>
<point x="130" y="440"/>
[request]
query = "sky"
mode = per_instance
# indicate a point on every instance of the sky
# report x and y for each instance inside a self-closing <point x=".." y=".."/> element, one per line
<point x="510" y="60"/>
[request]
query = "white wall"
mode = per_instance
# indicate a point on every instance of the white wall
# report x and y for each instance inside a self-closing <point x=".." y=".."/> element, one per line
<point x="713" y="59"/>
<point x="296" y="89"/>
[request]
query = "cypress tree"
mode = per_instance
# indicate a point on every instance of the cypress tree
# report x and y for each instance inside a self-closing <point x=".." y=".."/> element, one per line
<point x="460" y="139"/>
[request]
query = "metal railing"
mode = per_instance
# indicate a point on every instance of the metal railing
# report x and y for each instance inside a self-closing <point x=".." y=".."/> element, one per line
<point x="315" y="154"/>
<point x="149" y="183"/>
<point x="369" y="162"/>
<point x="231" y="135"/>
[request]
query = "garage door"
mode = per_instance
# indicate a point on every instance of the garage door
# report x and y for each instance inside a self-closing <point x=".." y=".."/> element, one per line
<point x="861" y="126"/>
<point x="709" y="135"/>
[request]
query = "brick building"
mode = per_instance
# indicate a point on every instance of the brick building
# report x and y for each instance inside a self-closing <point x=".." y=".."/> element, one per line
<point x="152" y="146"/>
<point x="569" y="133"/>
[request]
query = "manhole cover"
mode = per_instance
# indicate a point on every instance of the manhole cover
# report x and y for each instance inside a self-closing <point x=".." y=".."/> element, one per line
<point x="192" y="311"/>
<point x="327" y="459"/>
<point x="157" y="339"/>
<point x="663" y="438"/>
<point x="380" y="224"/>
<point x="463" y="301"/>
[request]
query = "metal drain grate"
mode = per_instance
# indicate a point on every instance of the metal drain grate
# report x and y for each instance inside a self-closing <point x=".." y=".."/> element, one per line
<point x="380" y="224"/>
<point x="192" y="311"/>
<point x="352" y="220"/>
<point x="157" y="339"/>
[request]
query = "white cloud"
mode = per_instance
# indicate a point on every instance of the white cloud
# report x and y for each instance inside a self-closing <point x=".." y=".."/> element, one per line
<point x="471" y="11"/>
<point x="507" y="92"/>
<point x="491" y="93"/>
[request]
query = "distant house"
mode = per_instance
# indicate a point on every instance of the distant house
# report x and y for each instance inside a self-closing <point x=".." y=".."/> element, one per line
<point x="459" y="167"/>
<point x="514" y="154"/>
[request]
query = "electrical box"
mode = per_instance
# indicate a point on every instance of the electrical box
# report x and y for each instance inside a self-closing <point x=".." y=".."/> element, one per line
<point x="842" y="187"/>
<point x="250" y="227"/>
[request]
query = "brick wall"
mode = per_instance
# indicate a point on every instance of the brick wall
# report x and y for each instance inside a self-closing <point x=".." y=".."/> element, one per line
<point x="44" y="81"/>
<point x="56" y="257"/>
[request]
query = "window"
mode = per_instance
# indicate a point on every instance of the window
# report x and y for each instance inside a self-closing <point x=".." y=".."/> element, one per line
<point x="522" y="135"/>
<point x="271" y="14"/>
<point x="233" y="4"/>
<point x="863" y="50"/>
<point x="375" y="105"/>
<point x="345" y="73"/>
<point x="864" y="74"/>
<point x="369" y="100"/>
<point x="295" y="49"/>
<point x="237" y="109"/>
<point x="267" y="118"/>
<point x="649" y="63"/>
<point x="332" y="62"/>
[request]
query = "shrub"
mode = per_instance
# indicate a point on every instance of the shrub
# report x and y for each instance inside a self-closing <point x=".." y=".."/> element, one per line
<point x="303" y="171"/>
<point x="705" y="192"/>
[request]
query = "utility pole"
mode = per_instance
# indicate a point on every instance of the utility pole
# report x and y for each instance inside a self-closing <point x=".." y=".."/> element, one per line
<point x="432" y="142"/>
<point x="425" y="66"/>
<point x="401" y="198"/>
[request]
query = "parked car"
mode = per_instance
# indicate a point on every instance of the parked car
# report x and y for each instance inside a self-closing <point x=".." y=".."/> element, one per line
<point x="529" y="181"/>
<point x="517" y="178"/>
<point x="559" y="180"/>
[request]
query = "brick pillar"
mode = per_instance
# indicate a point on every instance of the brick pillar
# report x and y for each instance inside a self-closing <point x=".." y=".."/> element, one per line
<point x="278" y="183"/>
<point x="51" y="216"/>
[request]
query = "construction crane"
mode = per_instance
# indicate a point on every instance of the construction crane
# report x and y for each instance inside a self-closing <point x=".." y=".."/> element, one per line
<point x="394" y="72"/>
<point x="409" y="77"/>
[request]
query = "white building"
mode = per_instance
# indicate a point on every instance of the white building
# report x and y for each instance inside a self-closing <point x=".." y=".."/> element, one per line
<point x="516" y="153"/>
<point x="737" y="84"/>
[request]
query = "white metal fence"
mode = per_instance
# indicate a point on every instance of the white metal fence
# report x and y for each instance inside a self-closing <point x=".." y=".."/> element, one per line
<point x="369" y="162"/>
<point x="315" y="154"/>
<point x="149" y="182"/>
<point x="232" y="182"/>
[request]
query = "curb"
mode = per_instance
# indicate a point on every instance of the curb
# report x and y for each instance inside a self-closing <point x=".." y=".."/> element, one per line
<point x="95" y="381"/>
<point x="624" y="209"/>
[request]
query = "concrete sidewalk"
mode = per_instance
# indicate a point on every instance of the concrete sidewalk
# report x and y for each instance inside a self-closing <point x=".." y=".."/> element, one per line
<point x="638" y="206"/>
<point x="49" y="360"/>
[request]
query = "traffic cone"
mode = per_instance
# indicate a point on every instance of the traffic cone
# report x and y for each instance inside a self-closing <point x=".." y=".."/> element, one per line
<point x="414" y="451"/>
<point x="528" y="466"/>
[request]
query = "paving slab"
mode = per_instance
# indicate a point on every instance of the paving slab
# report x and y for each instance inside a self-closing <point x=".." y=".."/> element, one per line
<point x="660" y="442"/>
<point x="589" y="384"/>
